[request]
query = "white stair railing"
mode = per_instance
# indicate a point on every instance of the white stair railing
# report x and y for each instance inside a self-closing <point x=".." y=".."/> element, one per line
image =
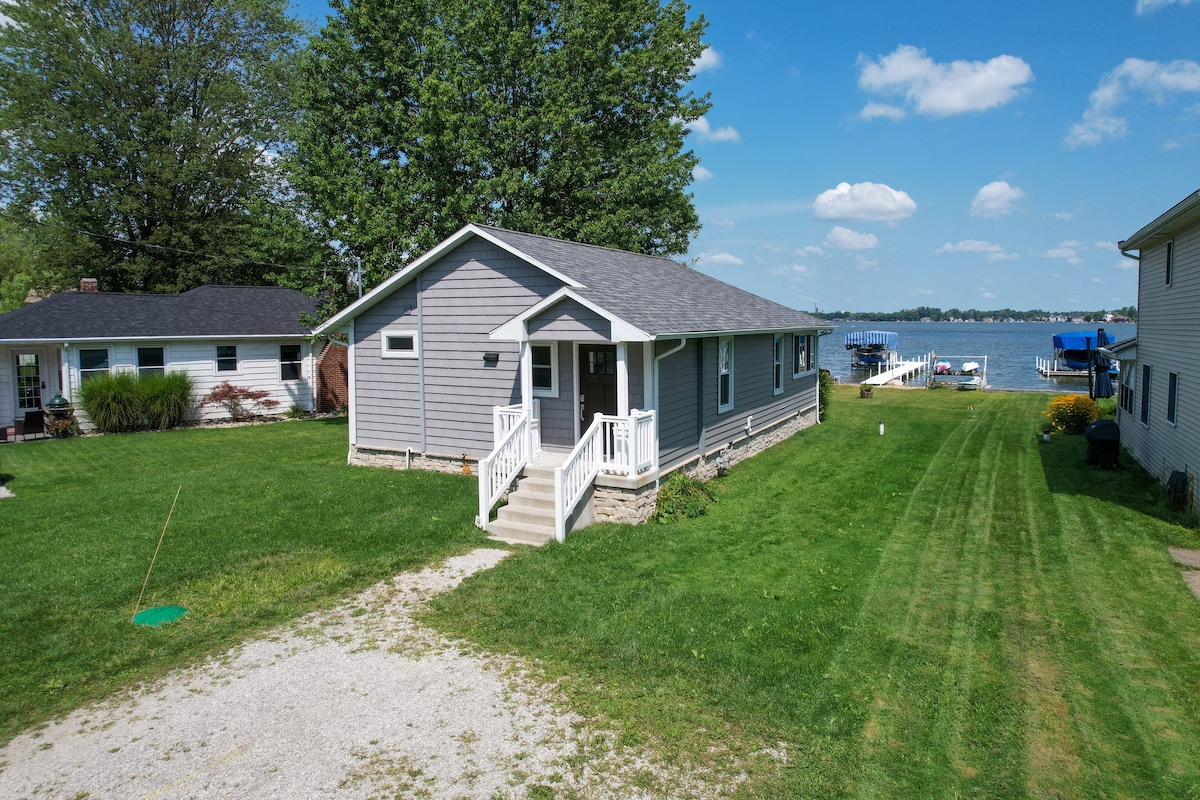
<point x="501" y="467"/>
<point x="575" y="476"/>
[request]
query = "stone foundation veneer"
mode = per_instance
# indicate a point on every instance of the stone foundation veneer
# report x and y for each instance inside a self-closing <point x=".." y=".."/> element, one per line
<point x="616" y="498"/>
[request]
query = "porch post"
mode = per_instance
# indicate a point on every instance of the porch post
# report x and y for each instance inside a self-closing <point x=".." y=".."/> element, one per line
<point x="622" y="380"/>
<point x="526" y="378"/>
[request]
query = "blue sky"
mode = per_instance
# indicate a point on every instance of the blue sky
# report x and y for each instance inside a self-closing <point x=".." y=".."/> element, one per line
<point x="879" y="155"/>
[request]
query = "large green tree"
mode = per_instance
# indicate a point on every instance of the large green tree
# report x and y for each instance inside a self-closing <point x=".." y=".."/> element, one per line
<point x="147" y="131"/>
<point x="561" y="117"/>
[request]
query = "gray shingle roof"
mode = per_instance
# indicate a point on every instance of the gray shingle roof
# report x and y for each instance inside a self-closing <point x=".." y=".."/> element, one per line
<point x="657" y="295"/>
<point x="205" y="312"/>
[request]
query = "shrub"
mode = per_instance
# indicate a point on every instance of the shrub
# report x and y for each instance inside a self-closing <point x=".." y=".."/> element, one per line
<point x="166" y="399"/>
<point x="824" y="392"/>
<point x="683" y="496"/>
<point x="235" y="399"/>
<point x="112" y="402"/>
<point x="1072" y="413"/>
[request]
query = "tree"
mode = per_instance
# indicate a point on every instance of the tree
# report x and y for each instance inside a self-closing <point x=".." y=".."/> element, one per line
<point x="18" y="262"/>
<point x="155" y="127"/>
<point x="561" y="117"/>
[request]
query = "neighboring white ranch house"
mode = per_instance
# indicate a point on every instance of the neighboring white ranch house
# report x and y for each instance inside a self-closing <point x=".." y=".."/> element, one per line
<point x="247" y="335"/>
<point x="1159" y="394"/>
<point x="582" y="373"/>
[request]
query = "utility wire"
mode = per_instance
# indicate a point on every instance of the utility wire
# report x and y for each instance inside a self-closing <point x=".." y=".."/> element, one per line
<point x="25" y="221"/>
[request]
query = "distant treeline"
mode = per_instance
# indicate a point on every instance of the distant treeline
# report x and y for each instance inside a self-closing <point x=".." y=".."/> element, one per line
<point x="928" y="314"/>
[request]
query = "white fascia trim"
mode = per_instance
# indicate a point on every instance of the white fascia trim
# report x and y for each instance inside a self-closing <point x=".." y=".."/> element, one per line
<point x="405" y="274"/>
<point x="516" y="330"/>
<point x="740" y="332"/>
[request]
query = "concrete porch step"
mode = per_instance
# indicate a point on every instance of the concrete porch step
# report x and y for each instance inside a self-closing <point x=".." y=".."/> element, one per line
<point x="513" y="532"/>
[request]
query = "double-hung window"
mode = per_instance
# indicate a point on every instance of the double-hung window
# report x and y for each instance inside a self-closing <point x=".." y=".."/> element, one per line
<point x="777" y="364"/>
<point x="1172" y="395"/>
<point x="227" y="358"/>
<point x="1126" y="389"/>
<point x="1170" y="262"/>
<point x="289" y="362"/>
<point x="1145" y="409"/>
<point x="724" y="374"/>
<point x="92" y="362"/>
<point x="545" y="369"/>
<point x="151" y="361"/>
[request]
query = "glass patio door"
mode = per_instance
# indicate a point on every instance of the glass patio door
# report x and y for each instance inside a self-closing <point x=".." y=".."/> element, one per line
<point x="30" y="382"/>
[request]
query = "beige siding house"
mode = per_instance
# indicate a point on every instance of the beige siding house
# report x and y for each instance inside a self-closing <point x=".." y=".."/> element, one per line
<point x="1159" y="408"/>
<point x="569" y="377"/>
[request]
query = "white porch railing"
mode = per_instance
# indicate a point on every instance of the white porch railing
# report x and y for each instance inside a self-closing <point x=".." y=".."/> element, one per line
<point x="500" y="468"/>
<point x="617" y="445"/>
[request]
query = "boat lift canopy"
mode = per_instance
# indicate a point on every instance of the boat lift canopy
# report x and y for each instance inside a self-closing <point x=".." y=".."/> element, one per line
<point x="889" y="339"/>
<point x="1080" y="340"/>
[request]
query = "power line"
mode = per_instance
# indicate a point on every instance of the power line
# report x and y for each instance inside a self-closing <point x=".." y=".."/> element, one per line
<point x="128" y="243"/>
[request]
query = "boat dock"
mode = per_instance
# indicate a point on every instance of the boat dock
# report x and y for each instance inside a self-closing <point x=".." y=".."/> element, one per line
<point x="1053" y="368"/>
<point x="898" y="371"/>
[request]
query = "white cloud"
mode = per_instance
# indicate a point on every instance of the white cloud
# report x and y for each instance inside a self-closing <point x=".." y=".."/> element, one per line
<point x="941" y="90"/>
<point x="845" y="239"/>
<point x="1106" y="246"/>
<point x="988" y="296"/>
<point x="887" y="111"/>
<point x="1149" y="5"/>
<point x="794" y="271"/>
<point x="995" y="200"/>
<point x="709" y="59"/>
<point x="706" y="133"/>
<point x="1068" y="251"/>
<point x="727" y="224"/>
<point x="700" y="173"/>
<point x="871" y="202"/>
<point x="993" y="252"/>
<point x="1134" y="76"/>
<point x="1064" y="215"/>
<point x="720" y="258"/>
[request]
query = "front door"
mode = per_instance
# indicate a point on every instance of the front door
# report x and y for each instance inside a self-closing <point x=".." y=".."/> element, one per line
<point x="30" y="369"/>
<point x="597" y="381"/>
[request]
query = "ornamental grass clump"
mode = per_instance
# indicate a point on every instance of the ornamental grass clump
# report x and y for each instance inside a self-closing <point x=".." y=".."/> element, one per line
<point x="1072" y="413"/>
<point x="121" y="402"/>
<point x="167" y="400"/>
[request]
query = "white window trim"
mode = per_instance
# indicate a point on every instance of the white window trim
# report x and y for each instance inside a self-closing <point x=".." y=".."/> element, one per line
<point x="721" y="409"/>
<point x="553" y="390"/>
<point x="777" y="364"/>
<point x="137" y="367"/>
<point x="237" y="356"/>
<point x="388" y="353"/>
<point x="810" y="343"/>
<point x="300" y="359"/>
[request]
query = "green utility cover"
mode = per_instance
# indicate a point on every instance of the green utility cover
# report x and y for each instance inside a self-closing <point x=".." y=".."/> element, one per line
<point x="158" y="615"/>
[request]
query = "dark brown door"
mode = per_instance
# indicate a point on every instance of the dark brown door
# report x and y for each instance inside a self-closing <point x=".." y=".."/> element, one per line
<point x="597" y="381"/>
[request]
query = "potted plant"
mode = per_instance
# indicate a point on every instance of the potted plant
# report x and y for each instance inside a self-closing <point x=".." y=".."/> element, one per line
<point x="864" y="391"/>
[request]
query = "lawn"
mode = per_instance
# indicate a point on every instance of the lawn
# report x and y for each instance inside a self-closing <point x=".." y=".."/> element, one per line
<point x="270" y="523"/>
<point x="952" y="609"/>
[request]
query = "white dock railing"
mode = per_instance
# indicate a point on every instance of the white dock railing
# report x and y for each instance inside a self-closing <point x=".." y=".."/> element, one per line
<point x="616" y="445"/>
<point x="899" y="369"/>
<point x="501" y="467"/>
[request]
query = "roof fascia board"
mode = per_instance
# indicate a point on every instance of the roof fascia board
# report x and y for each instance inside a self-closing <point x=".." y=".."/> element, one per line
<point x="820" y="330"/>
<point x="404" y="275"/>
<point x="1184" y="212"/>
<point x="516" y="330"/>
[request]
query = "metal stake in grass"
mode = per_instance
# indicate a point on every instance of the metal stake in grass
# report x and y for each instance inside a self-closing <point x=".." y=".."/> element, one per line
<point x="159" y="614"/>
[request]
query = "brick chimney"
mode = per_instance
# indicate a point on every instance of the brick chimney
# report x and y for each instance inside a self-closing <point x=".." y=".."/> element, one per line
<point x="89" y="285"/>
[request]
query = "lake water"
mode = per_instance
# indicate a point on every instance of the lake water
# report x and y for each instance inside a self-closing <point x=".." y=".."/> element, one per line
<point x="1011" y="348"/>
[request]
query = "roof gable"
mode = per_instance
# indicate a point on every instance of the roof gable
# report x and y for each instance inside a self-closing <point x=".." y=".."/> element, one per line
<point x="652" y="295"/>
<point x="205" y="312"/>
<point x="1182" y="215"/>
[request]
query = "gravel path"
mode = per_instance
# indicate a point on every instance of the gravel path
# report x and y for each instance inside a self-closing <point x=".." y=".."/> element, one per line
<point x="360" y="702"/>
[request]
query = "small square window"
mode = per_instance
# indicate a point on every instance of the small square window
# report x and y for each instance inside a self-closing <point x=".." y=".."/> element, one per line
<point x="227" y="358"/>
<point x="151" y="361"/>
<point x="399" y="344"/>
<point x="289" y="362"/>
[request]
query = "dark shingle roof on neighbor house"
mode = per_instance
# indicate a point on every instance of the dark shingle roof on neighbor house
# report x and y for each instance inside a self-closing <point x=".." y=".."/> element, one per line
<point x="202" y="313"/>
<point x="659" y="296"/>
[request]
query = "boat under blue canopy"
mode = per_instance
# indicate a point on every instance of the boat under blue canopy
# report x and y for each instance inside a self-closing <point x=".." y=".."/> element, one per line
<point x="1080" y="340"/>
<point x="889" y="339"/>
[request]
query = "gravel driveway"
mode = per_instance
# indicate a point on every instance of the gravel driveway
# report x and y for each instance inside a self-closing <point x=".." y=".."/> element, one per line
<point x="359" y="702"/>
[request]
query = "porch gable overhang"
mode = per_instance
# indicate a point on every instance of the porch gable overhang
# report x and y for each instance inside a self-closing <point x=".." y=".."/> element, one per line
<point x="339" y="320"/>
<point x="1124" y="350"/>
<point x="517" y="328"/>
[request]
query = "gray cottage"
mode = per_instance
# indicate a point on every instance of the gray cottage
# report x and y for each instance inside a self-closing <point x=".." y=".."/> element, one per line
<point x="570" y="377"/>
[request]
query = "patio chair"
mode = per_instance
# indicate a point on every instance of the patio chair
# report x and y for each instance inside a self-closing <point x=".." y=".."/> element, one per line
<point x="34" y="424"/>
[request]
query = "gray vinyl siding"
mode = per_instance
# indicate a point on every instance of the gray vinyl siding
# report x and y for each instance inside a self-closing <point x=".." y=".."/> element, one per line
<point x="1168" y="337"/>
<point x="568" y="320"/>
<point x="464" y="296"/>
<point x="558" y="413"/>
<point x="637" y="375"/>
<point x="678" y="402"/>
